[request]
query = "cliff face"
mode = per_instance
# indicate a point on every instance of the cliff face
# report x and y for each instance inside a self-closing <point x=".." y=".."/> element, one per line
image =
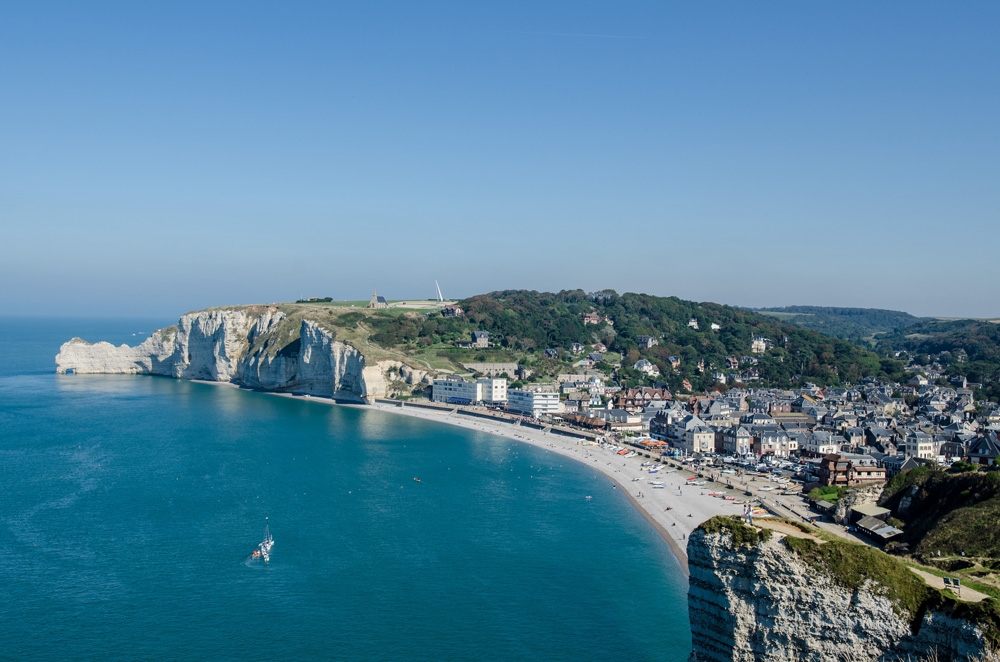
<point x="763" y="602"/>
<point x="253" y="346"/>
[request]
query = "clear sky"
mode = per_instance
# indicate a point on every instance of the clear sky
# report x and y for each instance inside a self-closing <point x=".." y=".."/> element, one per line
<point x="162" y="157"/>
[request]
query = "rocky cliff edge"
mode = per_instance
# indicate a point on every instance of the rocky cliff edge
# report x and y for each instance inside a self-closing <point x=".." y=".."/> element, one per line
<point x="756" y="594"/>
<point x="253" y="346"/>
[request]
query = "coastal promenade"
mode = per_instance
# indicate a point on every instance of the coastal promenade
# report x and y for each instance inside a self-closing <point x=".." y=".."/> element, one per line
<point x="675" y="510"/>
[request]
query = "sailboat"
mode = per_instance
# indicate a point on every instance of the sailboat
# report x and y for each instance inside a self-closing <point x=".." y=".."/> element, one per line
<point x="263" y="550"/>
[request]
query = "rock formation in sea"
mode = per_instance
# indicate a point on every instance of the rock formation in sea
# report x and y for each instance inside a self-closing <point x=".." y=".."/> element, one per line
<point x="760" y="595"/>
<point x="253" y="346"/>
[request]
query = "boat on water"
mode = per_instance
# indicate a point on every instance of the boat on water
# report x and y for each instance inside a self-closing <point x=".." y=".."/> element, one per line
<point x="263" y="550"/>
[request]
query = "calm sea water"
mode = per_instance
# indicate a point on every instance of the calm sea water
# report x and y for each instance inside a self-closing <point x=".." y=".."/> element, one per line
<point x="129" y="506"/>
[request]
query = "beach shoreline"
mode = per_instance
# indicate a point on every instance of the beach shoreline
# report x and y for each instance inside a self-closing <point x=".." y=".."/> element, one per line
<point x="674" y="511"/>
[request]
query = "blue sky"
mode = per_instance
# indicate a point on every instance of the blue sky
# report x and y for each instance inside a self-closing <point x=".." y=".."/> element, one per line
<point x="157" y="158"/>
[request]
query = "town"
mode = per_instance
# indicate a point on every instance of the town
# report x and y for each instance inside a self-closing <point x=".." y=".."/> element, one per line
<point x="811" y="437"/>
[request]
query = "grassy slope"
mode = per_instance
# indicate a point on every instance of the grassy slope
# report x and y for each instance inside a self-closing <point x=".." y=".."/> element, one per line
<point x="950" y="513"/>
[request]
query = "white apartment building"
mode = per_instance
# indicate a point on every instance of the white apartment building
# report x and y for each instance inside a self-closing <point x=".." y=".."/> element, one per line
<point x="822" y="443"/>
<point x="920" y="445"/>
<point x="533" y="403"/>
<point x="455" y="390"/>
<point x="494" y="389"/>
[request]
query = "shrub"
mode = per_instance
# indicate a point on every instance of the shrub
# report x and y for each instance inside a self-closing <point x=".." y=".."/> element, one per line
<point x="739" y="533"/>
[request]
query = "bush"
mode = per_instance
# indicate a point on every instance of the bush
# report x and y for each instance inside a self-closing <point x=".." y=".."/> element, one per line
<point x="739" y="533"/>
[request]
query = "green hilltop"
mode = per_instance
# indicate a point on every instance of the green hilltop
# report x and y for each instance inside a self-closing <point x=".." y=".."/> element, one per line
<point x="970" y="348"/>
<point x="523" y="324"/>
<point x="859" y="325"/>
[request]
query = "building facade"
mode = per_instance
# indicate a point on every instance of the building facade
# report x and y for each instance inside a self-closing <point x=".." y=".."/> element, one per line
<point x="458" y="391"/>
<point x="533" y="403"/>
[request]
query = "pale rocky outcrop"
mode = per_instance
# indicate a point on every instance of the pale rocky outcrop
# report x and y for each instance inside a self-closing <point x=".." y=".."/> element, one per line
<point x="253" y="346"/>
<point x="762" y="603"/>
<point x="857" y="496"/>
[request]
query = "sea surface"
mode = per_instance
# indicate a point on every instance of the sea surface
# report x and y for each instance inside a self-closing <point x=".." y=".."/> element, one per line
<point x="129" y="506"/>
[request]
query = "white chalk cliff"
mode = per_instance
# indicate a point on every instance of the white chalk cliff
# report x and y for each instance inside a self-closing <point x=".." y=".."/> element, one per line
<point x="252" y="346"/>
<point x="762" y="602"/>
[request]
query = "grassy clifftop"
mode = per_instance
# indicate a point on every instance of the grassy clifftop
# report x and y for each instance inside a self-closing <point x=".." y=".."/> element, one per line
<point x="739" y="533"/>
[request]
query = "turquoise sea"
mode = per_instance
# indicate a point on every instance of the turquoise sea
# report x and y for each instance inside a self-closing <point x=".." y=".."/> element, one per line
<point x="129" y="507"/>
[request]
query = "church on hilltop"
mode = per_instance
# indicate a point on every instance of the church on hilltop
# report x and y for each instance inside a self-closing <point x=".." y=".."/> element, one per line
<point x="377" y="301"/>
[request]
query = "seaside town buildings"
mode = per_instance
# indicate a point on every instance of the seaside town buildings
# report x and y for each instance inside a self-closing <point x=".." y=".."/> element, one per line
<point x="854" y="435"/>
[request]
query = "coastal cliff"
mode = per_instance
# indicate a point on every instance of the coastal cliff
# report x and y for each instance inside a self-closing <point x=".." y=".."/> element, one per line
<point x="257" y="347"/>
<point x="757" y="594"/>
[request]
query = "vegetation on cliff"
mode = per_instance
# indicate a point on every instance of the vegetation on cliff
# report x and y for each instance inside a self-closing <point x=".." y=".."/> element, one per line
<point x="855" y="566"/>
<point x="739" y="533"/>
<point x="955" y="514"/>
